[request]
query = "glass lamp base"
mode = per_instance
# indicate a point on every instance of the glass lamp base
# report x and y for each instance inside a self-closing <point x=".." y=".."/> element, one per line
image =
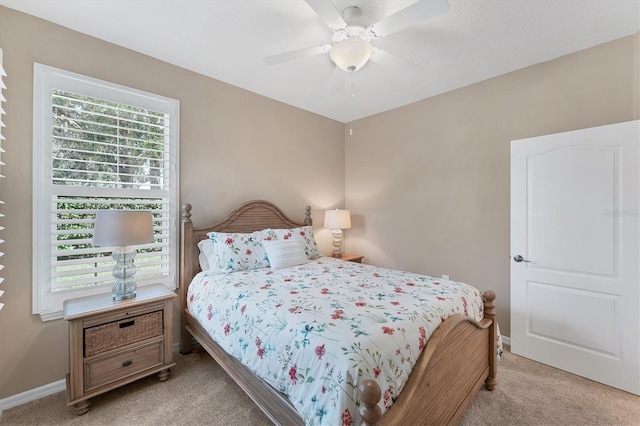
<point x="124" y="296"/>
<point x="337" y="243"/>
<point x="125" y="286"/>
<point x="122" y="290"/>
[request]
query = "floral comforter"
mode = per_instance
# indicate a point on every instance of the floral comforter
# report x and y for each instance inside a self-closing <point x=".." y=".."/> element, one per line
<point x="313" y="331"/>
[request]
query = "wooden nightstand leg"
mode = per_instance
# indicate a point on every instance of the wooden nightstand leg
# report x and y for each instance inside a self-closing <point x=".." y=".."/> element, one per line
<point x="164" y="375"/>
<point x="81" y="407"/>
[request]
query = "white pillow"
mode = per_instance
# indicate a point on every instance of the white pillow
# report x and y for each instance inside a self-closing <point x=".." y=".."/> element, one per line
<point x="304" y="233"/>
<point x="285" y="253"/>
<point x="207" y="251"/>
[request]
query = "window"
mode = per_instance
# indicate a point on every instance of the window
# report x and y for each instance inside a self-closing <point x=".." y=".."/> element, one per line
<point x="2" y="99"/>
<point x="98" y="145"/>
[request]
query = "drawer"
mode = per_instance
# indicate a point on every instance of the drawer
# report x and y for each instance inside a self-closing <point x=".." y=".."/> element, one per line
<point x="116" y="334"/>
<point x="101" y="371"/>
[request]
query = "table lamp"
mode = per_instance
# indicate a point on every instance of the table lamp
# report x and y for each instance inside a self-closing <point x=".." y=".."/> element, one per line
<point x="123" y="228"/>
<point x="337" y="220"/>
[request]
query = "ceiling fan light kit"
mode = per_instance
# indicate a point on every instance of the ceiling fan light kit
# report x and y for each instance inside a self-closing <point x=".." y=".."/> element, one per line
<point x="351" y="46"/>
<point x="351" y="54"/>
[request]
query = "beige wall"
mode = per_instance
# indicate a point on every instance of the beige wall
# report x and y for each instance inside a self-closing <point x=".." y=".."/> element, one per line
<point x="235" y="146"/>
<point x="428" y="184"/>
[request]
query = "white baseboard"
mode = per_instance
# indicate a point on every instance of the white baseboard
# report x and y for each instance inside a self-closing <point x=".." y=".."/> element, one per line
<point x="506" y="340"/>
<point x="42" y="391"/>
<point x="32" y="395"/>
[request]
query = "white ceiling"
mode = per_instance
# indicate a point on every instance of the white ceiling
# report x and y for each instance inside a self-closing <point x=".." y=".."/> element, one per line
<point x="228" y="39"/>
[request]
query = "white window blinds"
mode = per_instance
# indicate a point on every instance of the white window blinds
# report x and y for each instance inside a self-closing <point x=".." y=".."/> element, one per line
<point x="102" y="146"/>
<point x="106" y="155"/>
<point x="3" y="74"/>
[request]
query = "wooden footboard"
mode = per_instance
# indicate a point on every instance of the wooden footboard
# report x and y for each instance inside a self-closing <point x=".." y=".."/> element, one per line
<point x="459" y="357"/>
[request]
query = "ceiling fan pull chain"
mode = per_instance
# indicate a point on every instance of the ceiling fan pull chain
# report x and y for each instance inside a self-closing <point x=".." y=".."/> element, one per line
<point x="353" y="99"/>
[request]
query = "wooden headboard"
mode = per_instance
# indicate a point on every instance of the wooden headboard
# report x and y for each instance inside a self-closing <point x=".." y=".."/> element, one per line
<point x="250" y="216"/>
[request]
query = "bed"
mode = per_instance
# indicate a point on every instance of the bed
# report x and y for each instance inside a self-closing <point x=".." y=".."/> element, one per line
<point x="454" y="359"/>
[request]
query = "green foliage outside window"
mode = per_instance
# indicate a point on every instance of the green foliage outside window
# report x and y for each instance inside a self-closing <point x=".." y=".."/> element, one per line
<point x="105" y="144"/>
<point x="98" y="143"/>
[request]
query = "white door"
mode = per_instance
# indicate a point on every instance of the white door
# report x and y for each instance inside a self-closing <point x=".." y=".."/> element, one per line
<point x="575" y="257"/>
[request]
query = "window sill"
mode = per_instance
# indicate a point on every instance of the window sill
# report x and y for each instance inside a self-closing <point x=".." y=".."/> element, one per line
<point x="55" y="311"/>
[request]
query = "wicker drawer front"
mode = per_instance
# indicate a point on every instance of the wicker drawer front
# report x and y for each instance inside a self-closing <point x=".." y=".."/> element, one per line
<point x="116" y="334"/>
<point x="102" y="371"/>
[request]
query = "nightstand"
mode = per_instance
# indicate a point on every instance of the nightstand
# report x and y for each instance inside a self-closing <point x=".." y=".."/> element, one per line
<point x="351" y="257"/>
<point x="112" y="343"/>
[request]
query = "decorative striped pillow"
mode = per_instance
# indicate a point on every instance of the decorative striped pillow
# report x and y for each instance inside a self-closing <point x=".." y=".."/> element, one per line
<point x="285" y="253"/>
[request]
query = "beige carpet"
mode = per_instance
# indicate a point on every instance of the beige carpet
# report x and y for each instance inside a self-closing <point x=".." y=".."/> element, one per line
<point x="198" y="392"/>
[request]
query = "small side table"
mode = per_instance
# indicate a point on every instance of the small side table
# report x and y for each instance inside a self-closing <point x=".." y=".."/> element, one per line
<point x="112" y="343"/>
<point x="351" y="257"/>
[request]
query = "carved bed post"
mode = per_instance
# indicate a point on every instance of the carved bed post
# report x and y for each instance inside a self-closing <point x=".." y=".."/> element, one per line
<point x="186" y="244"/>
<point x="490" y="313"/>
<point x="370" y="393"/>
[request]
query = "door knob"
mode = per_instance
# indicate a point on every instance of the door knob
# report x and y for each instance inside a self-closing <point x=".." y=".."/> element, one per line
<point x="519" y="259"/>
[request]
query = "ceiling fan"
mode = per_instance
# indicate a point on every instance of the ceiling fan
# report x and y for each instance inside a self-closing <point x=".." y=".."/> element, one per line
<point x="351" y="48"/>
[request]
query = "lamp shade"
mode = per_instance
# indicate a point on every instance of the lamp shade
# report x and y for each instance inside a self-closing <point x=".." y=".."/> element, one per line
<point x="122" y="228"/>
<point x="351" y="54"/>
<point x="337" y="219"/>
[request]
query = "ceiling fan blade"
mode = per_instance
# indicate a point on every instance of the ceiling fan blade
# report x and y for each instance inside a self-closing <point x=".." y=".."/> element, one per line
<point x="297" y="54"/>
<point x="394" y="62"/>
<point x="338" y="81"/>
<point x="328" y="13"/>
<point x="410" y="15"/>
